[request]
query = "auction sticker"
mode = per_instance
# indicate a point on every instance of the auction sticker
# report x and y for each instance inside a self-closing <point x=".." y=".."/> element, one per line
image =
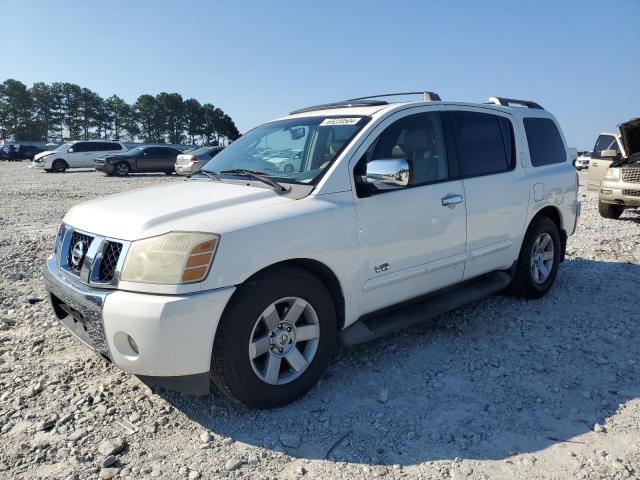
<point x="327" y="122"/>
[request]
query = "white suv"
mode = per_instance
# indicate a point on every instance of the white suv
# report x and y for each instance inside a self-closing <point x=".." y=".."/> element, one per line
<point x="76" y="154"/>
<point x="247" y="276"/>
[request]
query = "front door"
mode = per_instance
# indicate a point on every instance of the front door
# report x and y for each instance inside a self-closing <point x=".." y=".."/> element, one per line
<point x="598" y="165"/>
<point x="411" y="239"/>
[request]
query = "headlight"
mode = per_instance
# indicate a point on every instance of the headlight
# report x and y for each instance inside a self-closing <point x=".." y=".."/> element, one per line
<point x="613" y="173"/>
<point x="170" y="259"/>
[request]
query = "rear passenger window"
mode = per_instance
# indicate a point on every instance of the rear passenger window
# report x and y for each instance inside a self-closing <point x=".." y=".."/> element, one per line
<point x="484" y="143"/>
<point x="545" y="142"/>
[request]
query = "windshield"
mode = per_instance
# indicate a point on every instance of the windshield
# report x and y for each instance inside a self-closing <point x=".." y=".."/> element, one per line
<point x="64" y="146"/>
<point x="296" y="150"/>
<point x="134" y="151"/>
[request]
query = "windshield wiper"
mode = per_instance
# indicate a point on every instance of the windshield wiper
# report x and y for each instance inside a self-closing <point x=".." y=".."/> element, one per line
<point x="261" y="176"/>
<point x="204" y="172"/>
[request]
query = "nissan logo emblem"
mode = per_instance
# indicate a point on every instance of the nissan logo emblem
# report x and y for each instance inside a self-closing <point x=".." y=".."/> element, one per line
<point x="77" y="253"/>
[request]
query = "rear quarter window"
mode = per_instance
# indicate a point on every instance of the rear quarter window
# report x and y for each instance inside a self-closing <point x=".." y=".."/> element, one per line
<point x="544" y="141"/>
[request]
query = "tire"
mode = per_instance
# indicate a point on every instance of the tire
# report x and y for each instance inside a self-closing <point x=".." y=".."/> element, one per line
<point x="121" y="169"/>
<point x="59" y="166"/>
<point x="168" y="174"/>
<point x="525" y="284"/>
<point x="246" y="380"/>
<point x="610" y="210"/>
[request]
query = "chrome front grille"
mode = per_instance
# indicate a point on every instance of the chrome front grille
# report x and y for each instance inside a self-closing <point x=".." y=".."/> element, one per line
<point x="110" y="257"/>
<point x="631" y="193"/>
<point x="93" y="259"/>
<point x="631" y="175"/>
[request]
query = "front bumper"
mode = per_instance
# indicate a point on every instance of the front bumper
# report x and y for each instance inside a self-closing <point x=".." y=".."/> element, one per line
<point x="619" y="193"/>
<point x="103" y="167"/>
<point x="173" y="334"/>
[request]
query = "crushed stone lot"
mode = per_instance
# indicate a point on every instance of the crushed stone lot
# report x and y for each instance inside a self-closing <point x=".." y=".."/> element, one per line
<point x="502" y="388"/>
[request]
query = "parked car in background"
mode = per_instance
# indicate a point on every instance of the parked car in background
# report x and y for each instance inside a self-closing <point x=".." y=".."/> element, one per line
<point x="620" y="187"/>
<point x="192" y="160"/>
<point x="247" y="279"/>
<point x="573" y="155"/>
<point x="608" y="148"/>
<point x="76" y="154"/>
<point x="19" y="152"/>
<point x="583" y="160"/>
<point x="145" y="159"/>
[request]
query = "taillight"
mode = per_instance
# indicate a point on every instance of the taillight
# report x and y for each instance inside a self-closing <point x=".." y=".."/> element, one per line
<point x="194" y="159"/>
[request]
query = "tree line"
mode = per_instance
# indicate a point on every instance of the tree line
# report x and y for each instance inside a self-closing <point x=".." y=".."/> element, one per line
<point x="64" y="111"/>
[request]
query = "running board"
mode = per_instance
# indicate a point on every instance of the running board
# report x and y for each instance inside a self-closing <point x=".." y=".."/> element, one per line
<point x="389" y="320"/>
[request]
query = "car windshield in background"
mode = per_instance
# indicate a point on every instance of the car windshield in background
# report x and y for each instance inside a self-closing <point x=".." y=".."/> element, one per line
<point x="64" y="147"/>
<point x="199" y="151"/>
<point x="296" y="150"/>
<point x="134" y="151"/>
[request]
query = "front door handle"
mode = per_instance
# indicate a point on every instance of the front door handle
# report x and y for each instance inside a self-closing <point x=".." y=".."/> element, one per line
<point x="451" y="200"/>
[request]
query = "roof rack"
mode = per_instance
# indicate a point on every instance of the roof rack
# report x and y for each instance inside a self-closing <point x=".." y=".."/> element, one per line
<point x="367" y="101"/>
<point x="508" y="101"/>
<point x="426" y="96"/>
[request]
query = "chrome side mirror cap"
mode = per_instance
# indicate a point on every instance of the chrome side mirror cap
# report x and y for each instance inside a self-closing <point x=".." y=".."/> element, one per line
<point x="609" y="153"/>
<point x="388" y="173"/>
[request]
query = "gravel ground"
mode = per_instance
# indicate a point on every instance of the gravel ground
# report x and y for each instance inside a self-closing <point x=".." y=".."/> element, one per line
<point x="503" y="388"/>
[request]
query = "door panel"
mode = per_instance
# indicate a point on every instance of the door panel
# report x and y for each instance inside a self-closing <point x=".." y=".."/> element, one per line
<point x="496" y="190"/>
<point x="411" y="239"/>
<point x="598" y="165"/>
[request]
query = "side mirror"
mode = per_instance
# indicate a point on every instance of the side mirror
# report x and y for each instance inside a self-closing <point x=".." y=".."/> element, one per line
<point x="145" y="154"/>
<point x="388" y="173"/>
<point x="70" y="150"/>
<point x="609" y="153"/>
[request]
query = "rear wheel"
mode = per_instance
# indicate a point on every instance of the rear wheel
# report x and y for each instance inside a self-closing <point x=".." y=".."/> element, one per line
<point x="121" y="169"/>
<point x="537" y="265"/>
<point x="610" y="210"/>
<point x="59" y="166"/>
<point x="275" y="339"/>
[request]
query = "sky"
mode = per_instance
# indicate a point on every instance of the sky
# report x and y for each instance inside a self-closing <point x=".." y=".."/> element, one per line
<point x="258" y="60"/>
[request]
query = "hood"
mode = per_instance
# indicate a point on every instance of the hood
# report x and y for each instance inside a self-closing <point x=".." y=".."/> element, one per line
<point x="630" y="133"/>
<point x="194" y="205"/>
<point x="42" y="154"/>
<point x="112" y="155"/>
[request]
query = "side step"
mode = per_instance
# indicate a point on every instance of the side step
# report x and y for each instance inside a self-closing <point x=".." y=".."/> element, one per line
<point x="389" y="320"/>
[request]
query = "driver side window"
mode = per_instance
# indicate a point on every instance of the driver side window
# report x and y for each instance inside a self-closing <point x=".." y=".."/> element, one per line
<point x="418" y="139"/>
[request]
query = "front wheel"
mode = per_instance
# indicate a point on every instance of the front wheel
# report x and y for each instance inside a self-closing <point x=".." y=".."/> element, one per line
<point x="121" y="169"/>
<point x="539" y="258"/>
<point x="609" y="210"/>
<point x="275" y="339"/>
<point x="59" y="166"/>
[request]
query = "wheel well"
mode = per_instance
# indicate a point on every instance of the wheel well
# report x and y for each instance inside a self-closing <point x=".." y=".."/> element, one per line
<point x="553" y="214"/>
<point x="60" y="160"/>
<point x="322" y="273"/>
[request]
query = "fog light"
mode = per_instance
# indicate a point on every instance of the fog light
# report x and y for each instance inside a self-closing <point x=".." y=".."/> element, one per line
<point x="606" y="192"/>
<point x="132" y="344"/>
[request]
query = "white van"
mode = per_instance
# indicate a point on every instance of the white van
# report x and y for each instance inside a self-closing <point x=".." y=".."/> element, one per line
<point x="77" y="154"/>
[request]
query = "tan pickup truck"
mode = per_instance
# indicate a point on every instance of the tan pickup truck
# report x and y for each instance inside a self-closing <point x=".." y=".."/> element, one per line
<point x="618" y="176"/>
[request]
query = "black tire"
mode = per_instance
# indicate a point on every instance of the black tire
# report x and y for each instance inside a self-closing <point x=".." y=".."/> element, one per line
<point x="523" y="284"/>
<point x="59" y="166"/>
<point x="231" y="369"/>
<point x="121" y="169"/>
<point x="610" y="210"/>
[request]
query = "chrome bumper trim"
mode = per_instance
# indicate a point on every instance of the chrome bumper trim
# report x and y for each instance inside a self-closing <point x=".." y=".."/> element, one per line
<point x="88" y="302"/>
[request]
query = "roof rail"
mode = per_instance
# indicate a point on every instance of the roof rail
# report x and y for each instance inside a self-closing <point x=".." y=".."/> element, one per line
<point x="367" y="101"/>
<point x="508" y="101"/>
<point x="426" y="96"/>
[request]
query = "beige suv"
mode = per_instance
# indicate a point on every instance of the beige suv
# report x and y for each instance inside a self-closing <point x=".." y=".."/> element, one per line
<point x="620" y="187"/>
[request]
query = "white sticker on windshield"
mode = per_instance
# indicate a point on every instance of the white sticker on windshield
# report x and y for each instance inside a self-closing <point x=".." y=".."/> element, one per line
<point x="327" y="122"/>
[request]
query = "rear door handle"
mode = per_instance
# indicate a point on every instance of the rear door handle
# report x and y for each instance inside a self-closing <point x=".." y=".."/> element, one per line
<point x="451" y="200"/>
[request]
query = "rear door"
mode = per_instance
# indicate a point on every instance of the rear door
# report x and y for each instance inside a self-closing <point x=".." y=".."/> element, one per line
<point x="598" y="165"/>
<point x="495" y="187"/>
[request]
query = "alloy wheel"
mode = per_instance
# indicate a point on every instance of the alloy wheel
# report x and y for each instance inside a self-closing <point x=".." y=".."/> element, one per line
<point x="284" y="340"/>
<point x="542" y="255"/>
